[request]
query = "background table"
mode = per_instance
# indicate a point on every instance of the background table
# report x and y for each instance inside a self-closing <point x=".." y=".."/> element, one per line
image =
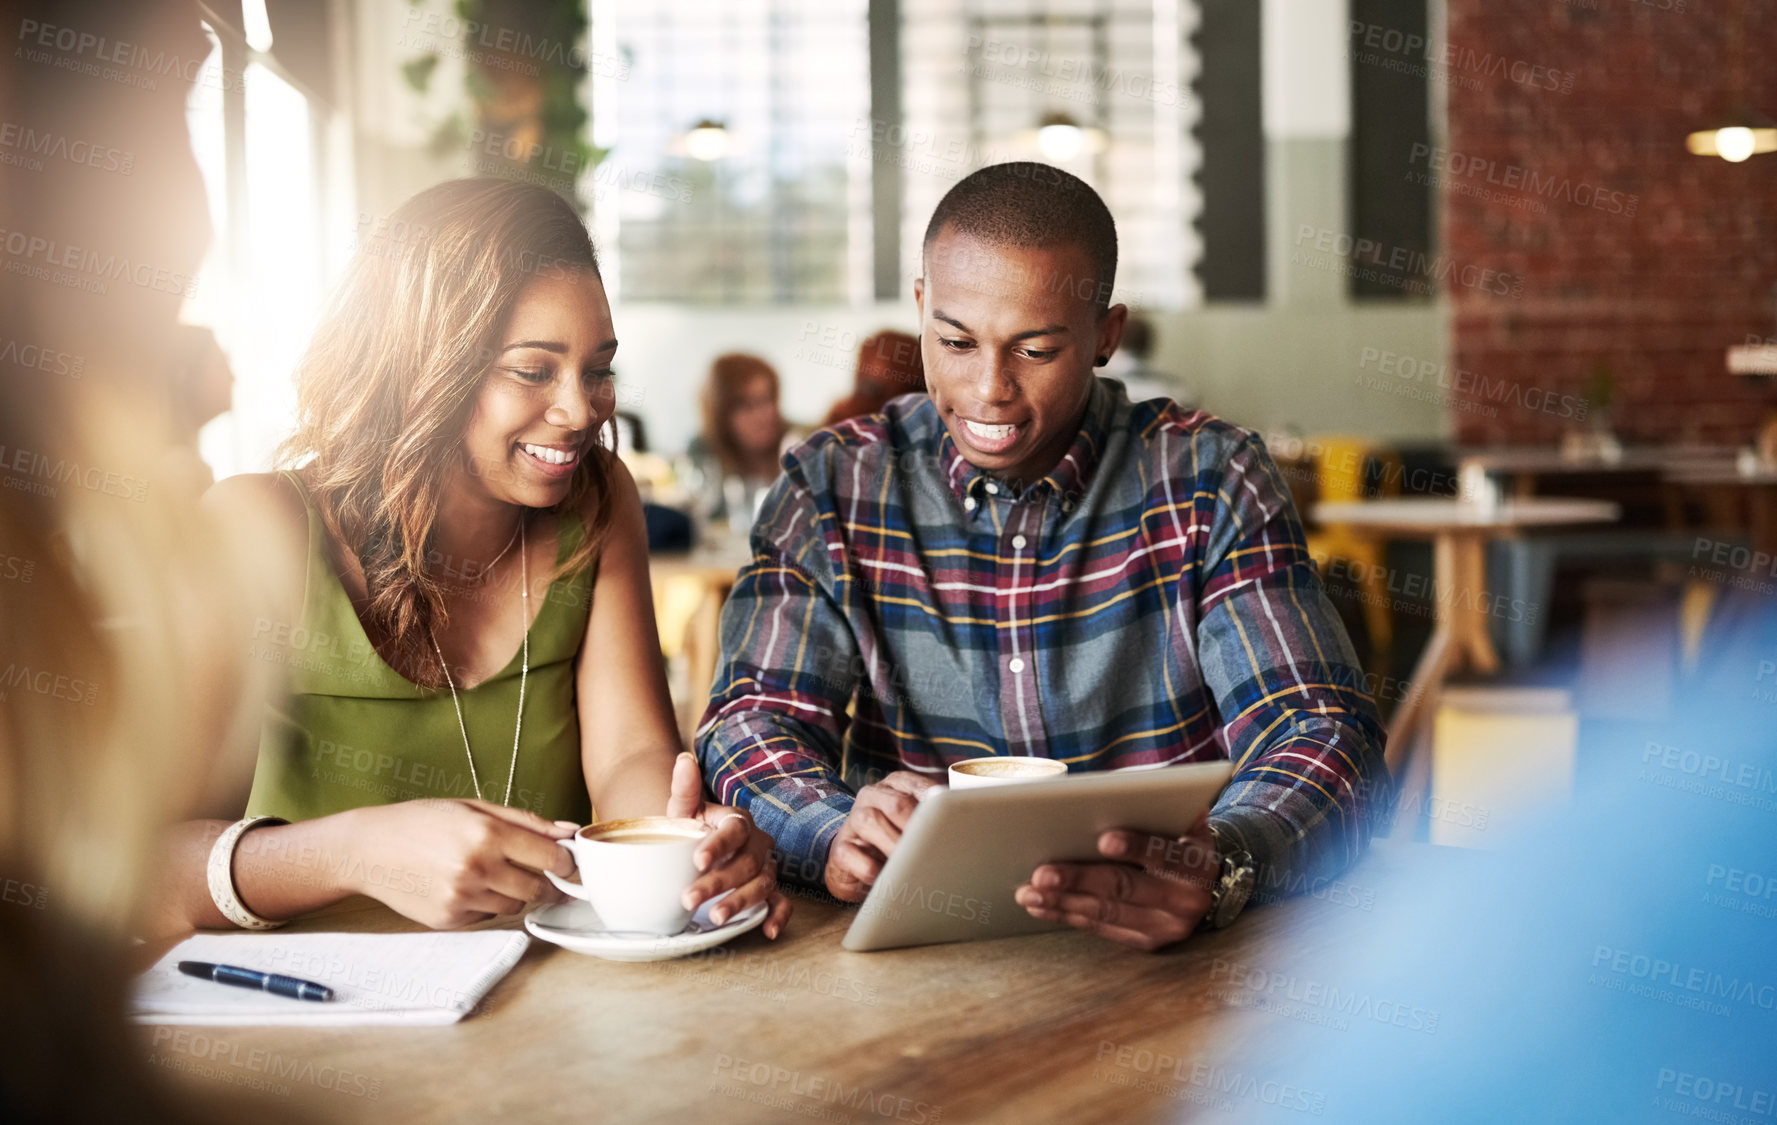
<point x="1737" y="501"/>
<point x="1459" y="532"/>
<point x="1011" y="1030"/>
<point x="1527" y="465"/>
<point x="713" y="566"/>
<point x="1635" y="476"/>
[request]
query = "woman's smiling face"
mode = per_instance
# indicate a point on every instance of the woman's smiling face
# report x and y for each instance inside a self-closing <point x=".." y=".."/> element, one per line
<point x="546" y="393"/>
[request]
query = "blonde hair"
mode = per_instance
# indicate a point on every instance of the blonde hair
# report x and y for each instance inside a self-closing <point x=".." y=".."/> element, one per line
<point x="122" y="610"/>
<point x="389" y="381"/>
<point x="118" y="606"/>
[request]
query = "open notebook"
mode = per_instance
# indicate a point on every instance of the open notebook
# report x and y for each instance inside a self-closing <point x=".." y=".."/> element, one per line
<point x="425" y="978"/>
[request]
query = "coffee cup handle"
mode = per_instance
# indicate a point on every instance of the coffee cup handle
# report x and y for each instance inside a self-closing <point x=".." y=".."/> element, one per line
<point x="572" y="890"/>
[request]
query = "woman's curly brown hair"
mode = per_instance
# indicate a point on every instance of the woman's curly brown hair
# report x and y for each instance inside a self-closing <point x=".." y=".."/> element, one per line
<point x="389" y="383"/>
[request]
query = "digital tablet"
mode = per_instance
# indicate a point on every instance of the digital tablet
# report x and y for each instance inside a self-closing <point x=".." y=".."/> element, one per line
<point x="952" y="876"/>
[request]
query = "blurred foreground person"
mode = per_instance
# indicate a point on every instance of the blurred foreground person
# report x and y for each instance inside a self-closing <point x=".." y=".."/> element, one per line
<point x="116" y="598"/>
<point x="1610" y="962"/>
<point x="202" y="390"/>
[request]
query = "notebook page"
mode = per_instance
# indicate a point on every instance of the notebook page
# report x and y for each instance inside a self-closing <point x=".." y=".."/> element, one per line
<point x="388" y="979"/>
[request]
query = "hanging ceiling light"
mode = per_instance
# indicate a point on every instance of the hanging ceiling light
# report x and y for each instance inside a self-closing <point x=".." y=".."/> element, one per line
<point x="708" y="140"/>
<point x="1060" y="138"/>
<point x="1744" y="134"/>
<point x="1732" y="143"/>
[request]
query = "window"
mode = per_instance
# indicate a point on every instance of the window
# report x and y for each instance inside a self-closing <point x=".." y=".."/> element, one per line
<point x="782" y="207"/>
<point x="1101" y="88"/>
<point x="765" y="203"/>
<point x="256" y="134"/>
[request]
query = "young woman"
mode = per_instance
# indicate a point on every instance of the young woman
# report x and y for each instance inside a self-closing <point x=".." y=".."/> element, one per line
<point x="472" y="661"/>
<point x="744" y="433"/>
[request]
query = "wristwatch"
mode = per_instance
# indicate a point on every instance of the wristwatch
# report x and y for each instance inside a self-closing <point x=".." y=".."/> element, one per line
<point x="1233" y="885"/>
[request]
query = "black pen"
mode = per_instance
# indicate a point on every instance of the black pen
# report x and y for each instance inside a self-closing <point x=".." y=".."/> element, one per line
<point x="251" y="978"/>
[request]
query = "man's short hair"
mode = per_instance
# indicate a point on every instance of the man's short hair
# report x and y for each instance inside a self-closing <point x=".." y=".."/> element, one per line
<point x="1027" y="204"/>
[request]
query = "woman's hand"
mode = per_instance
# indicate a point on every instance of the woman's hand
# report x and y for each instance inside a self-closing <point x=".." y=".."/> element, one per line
<point x="735" y="857"/>
<point x="451" y="863"/>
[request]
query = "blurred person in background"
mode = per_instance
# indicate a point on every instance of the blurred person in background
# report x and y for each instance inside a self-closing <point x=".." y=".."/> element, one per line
<point x="1130" y="364"/>
<point x="202" y="389"/>
<point x="669" y="527"/>
<point x="744" y="434"/>
<point x="118" y="600"/>
<point x="888" y="365"/>
<point x="477" y="579"/>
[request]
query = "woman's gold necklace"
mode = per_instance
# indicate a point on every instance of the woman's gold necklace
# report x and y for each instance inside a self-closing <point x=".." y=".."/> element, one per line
<point x="481" y="579"/>
<point x="524" y="670"/>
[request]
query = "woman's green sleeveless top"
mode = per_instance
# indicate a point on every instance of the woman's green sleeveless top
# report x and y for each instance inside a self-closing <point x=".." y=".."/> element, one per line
<point x="352" y="731"/>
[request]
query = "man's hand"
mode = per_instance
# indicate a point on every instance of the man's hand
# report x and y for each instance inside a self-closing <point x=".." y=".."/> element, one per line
<point x="879" y="815"/>
<point x="1153" y="893"/>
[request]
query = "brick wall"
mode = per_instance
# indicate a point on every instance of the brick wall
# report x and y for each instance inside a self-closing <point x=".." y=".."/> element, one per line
<point x="1566" y="169"/>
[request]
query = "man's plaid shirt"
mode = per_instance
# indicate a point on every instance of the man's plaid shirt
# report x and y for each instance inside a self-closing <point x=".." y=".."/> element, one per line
<point x="1148" y="602"/>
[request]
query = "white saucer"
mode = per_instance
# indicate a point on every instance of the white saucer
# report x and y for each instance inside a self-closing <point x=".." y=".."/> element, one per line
<point x="576" y="926"/>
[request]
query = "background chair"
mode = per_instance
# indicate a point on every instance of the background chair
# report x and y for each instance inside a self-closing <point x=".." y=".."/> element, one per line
<point x="1355" y="468"/>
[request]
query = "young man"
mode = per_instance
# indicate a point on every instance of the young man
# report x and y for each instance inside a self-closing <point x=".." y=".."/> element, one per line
<point x="1024" y="562"/>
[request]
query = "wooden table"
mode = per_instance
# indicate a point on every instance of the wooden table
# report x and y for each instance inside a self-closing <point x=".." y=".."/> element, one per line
<point x="1736" y="500"/>
<point x="1018" y="1030"/>
<point x="1526" y="465"/>
<point x="1634" y="476"/>
<point x="1459" y="532"/>
<point x="714" y="565"/>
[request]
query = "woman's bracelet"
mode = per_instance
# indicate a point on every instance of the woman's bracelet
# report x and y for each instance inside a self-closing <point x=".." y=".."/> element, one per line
<point x="221" y="875"/>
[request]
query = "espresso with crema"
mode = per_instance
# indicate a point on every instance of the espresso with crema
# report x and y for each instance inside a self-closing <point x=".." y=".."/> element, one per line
<point x="645" y="838"/>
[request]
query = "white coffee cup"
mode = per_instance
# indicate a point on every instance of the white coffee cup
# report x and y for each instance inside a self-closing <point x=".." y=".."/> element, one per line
<point x="1003" y="771"/>
<point x="635" y="871"/>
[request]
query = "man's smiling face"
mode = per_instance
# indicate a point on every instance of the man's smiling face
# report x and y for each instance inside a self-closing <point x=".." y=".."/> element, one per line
<point x="1009" y="335"/>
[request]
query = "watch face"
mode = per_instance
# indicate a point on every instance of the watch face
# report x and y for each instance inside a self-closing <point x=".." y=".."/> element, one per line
<point x="1236" y="888"/>
<point x="1240" y="892"/>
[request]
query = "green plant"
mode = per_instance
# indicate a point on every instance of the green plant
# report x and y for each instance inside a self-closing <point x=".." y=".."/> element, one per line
<point x="524" y="63"/>
<point x="1601" y="388"/>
